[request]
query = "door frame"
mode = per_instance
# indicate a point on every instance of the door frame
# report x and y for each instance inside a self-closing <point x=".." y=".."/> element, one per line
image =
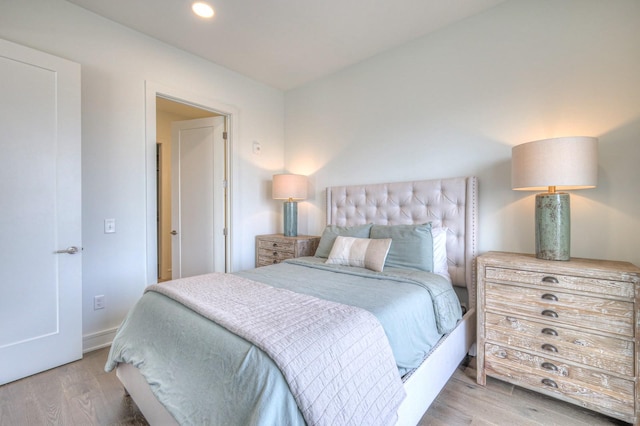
<point x="152" y="90"/>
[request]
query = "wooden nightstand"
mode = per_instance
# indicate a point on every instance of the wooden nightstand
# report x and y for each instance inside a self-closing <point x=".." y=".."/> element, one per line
<point x="275" y="248"/>
<point x="565" y="329"/>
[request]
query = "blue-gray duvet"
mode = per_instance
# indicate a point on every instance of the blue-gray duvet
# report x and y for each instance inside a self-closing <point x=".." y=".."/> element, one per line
<point x="204" y="374"/>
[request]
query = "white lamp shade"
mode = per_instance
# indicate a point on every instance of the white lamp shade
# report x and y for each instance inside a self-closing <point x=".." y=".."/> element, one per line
<point x="566" y="163"/>
<point x="288" y="186"/>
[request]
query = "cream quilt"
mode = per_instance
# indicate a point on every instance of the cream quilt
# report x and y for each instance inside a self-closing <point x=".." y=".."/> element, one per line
<point x="336" y="358"/>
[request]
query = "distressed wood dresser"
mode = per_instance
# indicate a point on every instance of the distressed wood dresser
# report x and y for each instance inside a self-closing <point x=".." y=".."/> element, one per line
<point x="275" y="248"/>
<point x="567" y="329"/>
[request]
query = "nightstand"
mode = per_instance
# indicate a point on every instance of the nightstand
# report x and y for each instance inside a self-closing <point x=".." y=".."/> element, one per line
<point x="567" y="329"/>
<point x="275" y="248"/>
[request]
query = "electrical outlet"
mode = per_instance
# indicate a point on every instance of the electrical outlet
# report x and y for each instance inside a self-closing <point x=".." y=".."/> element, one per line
<point x="98" y="302"/>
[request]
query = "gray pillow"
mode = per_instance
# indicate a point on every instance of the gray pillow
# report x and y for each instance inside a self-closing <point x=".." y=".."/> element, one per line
<point x="331" y="232"/>
<point x="411" y="245"/>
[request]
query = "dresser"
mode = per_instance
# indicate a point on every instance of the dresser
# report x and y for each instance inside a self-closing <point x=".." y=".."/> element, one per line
<point x="567" y="329"/>
<point x="275" y="248"/>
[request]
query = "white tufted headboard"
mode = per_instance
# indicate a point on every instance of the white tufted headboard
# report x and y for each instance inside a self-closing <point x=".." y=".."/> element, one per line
<point x="450" y="203"/>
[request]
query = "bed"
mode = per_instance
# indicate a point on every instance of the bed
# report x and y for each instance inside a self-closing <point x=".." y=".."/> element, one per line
<point x="446" y="207"/>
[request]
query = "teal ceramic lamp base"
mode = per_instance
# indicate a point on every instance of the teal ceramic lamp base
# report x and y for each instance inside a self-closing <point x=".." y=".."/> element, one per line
<point x="290" y="219"/>
<point x="553" y="226"/>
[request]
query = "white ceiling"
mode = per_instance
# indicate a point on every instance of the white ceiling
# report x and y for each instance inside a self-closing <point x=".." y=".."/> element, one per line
<point x="287" y="43"/>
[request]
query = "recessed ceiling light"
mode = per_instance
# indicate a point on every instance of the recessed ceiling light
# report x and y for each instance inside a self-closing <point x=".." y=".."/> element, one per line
<point x="202" y="9"/>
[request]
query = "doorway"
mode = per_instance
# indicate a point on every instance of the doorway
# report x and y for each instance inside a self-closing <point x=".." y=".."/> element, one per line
<point x="165" y="106"/>
<point x="190" y="146"/>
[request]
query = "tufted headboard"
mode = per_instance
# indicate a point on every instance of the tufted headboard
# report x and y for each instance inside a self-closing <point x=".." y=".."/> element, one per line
<point x="450" y="203"/>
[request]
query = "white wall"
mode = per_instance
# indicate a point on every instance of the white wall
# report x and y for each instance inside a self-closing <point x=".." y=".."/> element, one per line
<point x="455" y="102"/>
<point x="116" y="62"/>
<point x="450" y="104"/>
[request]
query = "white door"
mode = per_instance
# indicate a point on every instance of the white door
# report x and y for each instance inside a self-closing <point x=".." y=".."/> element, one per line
<point x="197" y="196"/>
<point x="40" y="290"/>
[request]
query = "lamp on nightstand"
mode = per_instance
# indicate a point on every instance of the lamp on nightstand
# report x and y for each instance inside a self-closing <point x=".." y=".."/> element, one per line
<point x="291" y="188"/>
<point x="554" y="164"/>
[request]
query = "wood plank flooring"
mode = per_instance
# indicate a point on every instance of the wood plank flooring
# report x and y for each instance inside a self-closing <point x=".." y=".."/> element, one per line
<point x="81" y="393"/>
<point x="464" y="402"/>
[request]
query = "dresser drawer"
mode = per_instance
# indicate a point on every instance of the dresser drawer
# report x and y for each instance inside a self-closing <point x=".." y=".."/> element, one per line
<point x="606" y="353"/>
<point x="609" y="393"/>
<point x="604" y="315"/>
<point x="567" y="329"/>
<point x="566" y="282"/>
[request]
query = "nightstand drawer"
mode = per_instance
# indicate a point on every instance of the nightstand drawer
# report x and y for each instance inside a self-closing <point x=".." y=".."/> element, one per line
<point x="271" y="246"/>
<point x="605" y="315"/>
<point x="269" y="257"/>
<point x="567" y="282"/>
<point x="607" y="353"/>
<point x="275" y="248"/>
<point x="548" y="375"/>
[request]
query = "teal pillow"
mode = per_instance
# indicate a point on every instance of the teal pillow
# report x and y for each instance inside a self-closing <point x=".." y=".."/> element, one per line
<point x="411" y="245"/>
<point x="331" y="232"/>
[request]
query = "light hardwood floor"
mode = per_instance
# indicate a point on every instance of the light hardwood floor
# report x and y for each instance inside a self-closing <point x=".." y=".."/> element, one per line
<point x="81" y="393"/>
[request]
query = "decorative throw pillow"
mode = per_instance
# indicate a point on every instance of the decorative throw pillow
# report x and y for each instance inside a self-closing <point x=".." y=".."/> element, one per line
<point x="362" y="252"/>
<point x="440" y="263"/>
<point x="331" y="232"/>
<point x="412" y="245"/>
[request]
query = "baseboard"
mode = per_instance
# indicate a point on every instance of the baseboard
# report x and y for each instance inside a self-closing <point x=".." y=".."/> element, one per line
<point x="98" y="340"/>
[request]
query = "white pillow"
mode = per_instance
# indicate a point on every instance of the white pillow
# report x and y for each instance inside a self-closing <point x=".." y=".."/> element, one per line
<point x="440" y="264"/>
<point x="362" y="252"/>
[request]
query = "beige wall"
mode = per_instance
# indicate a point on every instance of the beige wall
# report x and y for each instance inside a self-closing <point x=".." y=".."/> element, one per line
<point x="163" y="135"/>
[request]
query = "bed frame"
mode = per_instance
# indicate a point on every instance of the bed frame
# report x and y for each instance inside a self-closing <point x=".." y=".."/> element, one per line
<point x="450" y="203"/>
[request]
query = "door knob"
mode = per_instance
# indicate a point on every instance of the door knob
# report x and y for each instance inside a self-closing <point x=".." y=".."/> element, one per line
<point x="174" y="232"/>
<point x="69" y="250"/>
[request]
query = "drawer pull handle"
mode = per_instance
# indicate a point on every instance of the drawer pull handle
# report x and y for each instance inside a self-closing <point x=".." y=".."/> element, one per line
<point x="550" y="383"/>
<point x="550" y="348"/>
<point x="550" y="280"/>
<point x="549" y="366"/>
<point x="550" y="313"/>
<point x="549" y="296"/>
<point x="275" y="261"/>
<point x="275" y="253"/>
<point x="549" y="331"/>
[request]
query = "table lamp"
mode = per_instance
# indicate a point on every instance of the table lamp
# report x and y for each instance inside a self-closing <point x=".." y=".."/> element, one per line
<point x="566" y="163"/>
<point x="291" y="188"/>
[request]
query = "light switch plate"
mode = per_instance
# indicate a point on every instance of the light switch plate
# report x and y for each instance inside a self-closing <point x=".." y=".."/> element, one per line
<point x="257" y="148"/>
<point x="109" y="226"/>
